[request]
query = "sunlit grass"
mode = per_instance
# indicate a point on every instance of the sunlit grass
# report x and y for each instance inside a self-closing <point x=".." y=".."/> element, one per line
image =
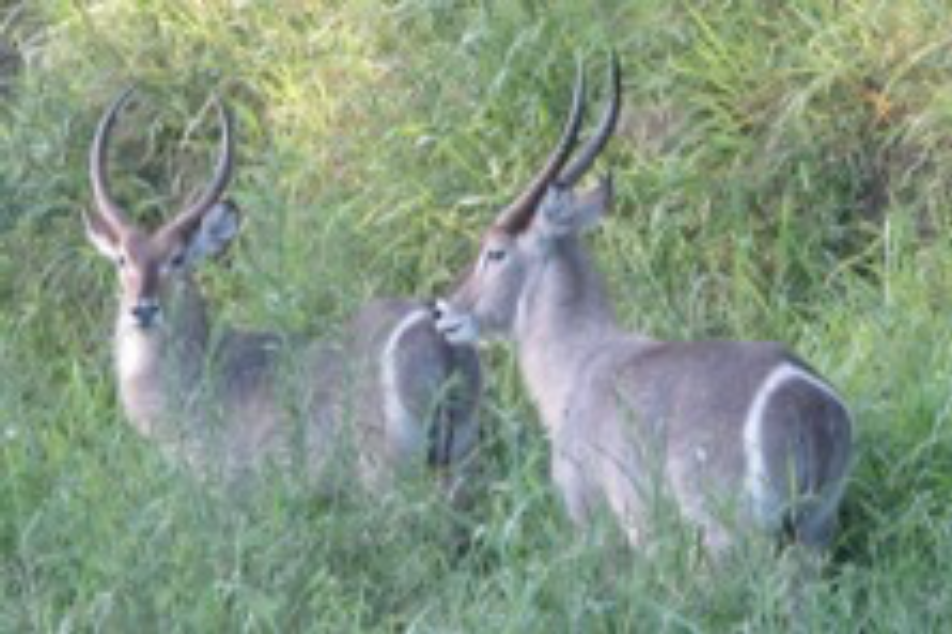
<point x="782" y="171"/>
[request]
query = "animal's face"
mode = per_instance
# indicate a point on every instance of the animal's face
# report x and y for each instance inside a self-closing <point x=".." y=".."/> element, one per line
<point x="149" y="263"/>
<point x="525" y="235"/>
<point x="485" y="300"/>
<point x="504" y="274"/>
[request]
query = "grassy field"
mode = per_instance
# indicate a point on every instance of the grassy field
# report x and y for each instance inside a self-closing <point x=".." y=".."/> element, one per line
<point x="784" y="172"/>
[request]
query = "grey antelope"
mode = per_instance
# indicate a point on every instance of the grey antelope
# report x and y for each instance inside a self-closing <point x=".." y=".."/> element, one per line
<point x="712" y="422"/>
<point x="230" y="401"/>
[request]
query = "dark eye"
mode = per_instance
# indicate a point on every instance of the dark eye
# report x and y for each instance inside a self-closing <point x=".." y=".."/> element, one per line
<point x="496" y="255"/>
<point x="120" y="261"/>
<point x="177" y="260"/>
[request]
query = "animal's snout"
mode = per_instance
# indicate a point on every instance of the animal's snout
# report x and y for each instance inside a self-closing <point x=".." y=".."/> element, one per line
<point x="443" y="312"/>
<point x="146" y="312"/>
<point x="455" y="326"/>
<point x="435" y="307"/>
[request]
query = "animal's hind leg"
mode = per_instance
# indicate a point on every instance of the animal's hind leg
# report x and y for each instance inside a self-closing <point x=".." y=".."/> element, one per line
<point x="815" y="530"/>
<point x="570" y="480"/>
<point x="815" y="523"/>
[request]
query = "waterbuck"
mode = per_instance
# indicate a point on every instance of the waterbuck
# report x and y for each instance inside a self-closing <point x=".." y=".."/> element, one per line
<point x="736" y="433"/>
<point x="392" y="393"/>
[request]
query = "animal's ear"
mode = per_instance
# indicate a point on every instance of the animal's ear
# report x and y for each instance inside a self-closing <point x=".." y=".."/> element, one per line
<point x="564" y="211"/>
<point x="218" y="227"/>
<point x="101" y="234"/>
<point x="592" y="205"/>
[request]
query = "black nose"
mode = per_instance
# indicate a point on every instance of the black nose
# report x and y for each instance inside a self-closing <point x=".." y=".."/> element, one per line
<point x="435" y="310"/>
<point x="145" y="313"/>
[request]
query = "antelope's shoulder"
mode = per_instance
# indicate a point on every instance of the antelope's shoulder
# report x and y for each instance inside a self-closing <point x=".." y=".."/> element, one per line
<point x="250" y="351"/>
<point x="245" y="364"/>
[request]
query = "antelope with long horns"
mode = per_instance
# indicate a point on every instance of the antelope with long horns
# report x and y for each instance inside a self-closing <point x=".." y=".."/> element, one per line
<point x="738" y="434"/>
<point x="393" y="391"/>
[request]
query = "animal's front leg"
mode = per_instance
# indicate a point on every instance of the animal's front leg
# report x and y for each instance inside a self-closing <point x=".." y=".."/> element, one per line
<point x="568" y="473"/>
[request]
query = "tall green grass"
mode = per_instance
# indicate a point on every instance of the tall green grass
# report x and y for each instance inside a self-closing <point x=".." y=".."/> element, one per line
<point x="783" y="172"/>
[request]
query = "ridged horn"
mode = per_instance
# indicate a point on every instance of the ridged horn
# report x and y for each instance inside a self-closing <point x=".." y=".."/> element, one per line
<point x="221" y="177"/>
<point x="517" y="215"/>
<point x="606" y="127"/>
<point x="109" y="210"/>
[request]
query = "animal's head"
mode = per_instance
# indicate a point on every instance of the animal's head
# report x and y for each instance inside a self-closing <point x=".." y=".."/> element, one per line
<point x="148" y="263"/>
<point x="550" y="210"/>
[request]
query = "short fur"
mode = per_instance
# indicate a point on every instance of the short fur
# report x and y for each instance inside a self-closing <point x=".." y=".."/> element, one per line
<point x="735" y="432"/>
<point x="234" y="400"/>
<point x="231" y="402"/>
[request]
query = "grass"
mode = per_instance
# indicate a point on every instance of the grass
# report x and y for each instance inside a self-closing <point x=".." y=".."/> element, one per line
<point x="783" y="173"/>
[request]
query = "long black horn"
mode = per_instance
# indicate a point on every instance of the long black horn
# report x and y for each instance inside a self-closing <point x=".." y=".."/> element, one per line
<point x="606" y="127"/>
<point x="105" y="203"/>
<point x="517" y="215"/>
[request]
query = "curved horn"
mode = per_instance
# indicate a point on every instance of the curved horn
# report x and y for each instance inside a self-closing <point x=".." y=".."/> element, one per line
<point x="516" y="216"/>
<point x="108" y="208"/>
<point x="223" y="171"/>
<point x="606" y="127"/>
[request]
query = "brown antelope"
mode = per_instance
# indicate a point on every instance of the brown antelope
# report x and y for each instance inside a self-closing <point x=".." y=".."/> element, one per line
<point x="712" y="422"/>
<point x="230" y="401"/>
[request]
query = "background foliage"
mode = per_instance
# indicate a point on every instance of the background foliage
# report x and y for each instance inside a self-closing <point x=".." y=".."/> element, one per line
<point x="783" y="173"/>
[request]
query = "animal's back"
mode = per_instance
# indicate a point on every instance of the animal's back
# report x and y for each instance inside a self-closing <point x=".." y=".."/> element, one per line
<point x="684" y="411"/>
<point x="254" y="381"/>
<point x="386" y="393"/>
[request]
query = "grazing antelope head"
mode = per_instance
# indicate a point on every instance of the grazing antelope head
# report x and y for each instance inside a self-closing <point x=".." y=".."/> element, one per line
<point x="518" y="243"/>
<point x="150" y="262"/>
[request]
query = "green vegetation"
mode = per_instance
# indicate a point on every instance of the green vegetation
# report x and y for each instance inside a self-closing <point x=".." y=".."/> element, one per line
<point x="784" y="172"/>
